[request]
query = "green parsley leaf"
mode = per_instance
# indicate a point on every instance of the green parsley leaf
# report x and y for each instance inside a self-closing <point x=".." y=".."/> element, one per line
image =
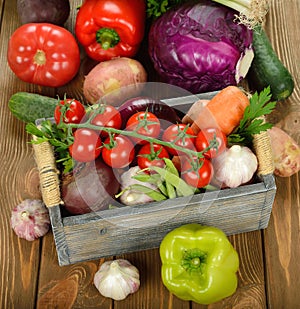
<point x="253" y="121"/>
<point x="156" y="8"/>
<point x="32" y="129"/>
<point x="59" y="137"/>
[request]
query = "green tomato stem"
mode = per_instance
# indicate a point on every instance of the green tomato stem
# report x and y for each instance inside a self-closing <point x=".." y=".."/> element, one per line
<point x="40" y="58"/>
<point x="191" y="153"/>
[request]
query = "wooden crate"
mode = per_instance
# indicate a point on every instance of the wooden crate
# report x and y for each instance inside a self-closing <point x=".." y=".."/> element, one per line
<point x="128" y="229"/>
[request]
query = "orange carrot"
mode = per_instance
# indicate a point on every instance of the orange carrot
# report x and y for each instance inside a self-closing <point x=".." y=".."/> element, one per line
<point x="225" y="111"/>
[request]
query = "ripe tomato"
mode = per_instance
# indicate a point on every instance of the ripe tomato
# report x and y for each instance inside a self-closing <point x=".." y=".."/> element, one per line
<point x="205" y="136"/>
<point x="152" y="155"/>
<point x="108" y="116"/>
<point x="199" y="177"/>
<point x="43" y="54"/>
<point x="72" y="110"/>
<point x="145" y="123"/>
<point x="86" y="146"/>
<point x="120" y="154"/>
<point x="181" y="135"/>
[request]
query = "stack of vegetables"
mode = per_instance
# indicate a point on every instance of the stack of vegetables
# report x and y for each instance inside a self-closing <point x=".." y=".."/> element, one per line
<point x="197" y="45"/>
<point x="145" y="150"/>
<point x="43" y="52"/>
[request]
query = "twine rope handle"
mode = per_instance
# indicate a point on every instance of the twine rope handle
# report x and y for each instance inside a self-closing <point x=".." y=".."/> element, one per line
<point x="263" y="151"/>
<point x="48" y="173"/>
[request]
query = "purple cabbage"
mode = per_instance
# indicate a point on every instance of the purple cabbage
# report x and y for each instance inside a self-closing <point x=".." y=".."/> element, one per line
<point x="199" y="47"/>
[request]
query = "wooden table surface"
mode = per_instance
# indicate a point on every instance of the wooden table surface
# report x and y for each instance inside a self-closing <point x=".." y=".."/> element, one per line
<point x="29" y="273"/>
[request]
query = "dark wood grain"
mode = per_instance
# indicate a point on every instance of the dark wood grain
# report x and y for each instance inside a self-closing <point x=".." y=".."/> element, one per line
<point x="19" y="259"/>
<point x="282" y="238"/>
<point x="30" y="276"/>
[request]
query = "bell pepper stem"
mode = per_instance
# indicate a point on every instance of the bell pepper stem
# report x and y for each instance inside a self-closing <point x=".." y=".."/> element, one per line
<point x="107" y="38"/>
<point x="194" y="260"/>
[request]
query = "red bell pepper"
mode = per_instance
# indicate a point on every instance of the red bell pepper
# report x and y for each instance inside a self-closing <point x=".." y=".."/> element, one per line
<point x="110" y="28"/>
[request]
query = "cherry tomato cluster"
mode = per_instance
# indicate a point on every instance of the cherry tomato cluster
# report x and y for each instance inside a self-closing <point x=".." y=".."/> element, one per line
<point x="120" y="150"/>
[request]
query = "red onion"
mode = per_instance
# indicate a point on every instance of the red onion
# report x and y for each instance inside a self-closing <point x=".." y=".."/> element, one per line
<point x="165" y="113"/>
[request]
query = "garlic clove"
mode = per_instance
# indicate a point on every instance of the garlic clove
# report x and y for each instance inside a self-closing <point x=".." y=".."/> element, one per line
<point x="30" y="219"/>
<point x="117" y="279"/>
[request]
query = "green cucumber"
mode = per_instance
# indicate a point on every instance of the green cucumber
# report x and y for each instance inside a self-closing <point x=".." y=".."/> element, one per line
<point x="31" y="106"/>
<point x="267" y="70"/>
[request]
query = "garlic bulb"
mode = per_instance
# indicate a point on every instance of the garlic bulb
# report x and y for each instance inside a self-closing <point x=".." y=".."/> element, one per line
<point x="235" y="166"/>
<point x="117" y="279"/>
<point x="30" y="219"/>
<point x="132" y="197"/>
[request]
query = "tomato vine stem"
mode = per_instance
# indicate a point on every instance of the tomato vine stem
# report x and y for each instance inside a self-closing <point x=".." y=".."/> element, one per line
<point x="134" y="134"/>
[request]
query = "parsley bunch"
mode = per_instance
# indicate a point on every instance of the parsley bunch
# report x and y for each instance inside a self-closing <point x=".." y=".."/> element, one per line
<point x="253" y="121"/>
<point x="59" y="137"/>
<point x="156" y="8"/>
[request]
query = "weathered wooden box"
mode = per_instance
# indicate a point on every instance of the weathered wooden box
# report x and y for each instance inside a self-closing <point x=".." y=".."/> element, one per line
<point x="128" y="229"/>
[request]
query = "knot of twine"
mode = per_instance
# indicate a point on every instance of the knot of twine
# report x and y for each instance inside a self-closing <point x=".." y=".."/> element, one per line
<point x="48" y="173"/>
<point x="263" y="150"/>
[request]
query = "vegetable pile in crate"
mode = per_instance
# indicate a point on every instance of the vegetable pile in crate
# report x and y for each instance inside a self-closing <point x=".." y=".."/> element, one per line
<point x="175" y="170"/>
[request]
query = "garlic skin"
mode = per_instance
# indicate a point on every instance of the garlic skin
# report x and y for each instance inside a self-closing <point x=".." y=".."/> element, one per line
<point x="117" y="279"/>
<point x="30" y="219"/>
<point x="132" y="197"/>
<point x="235" y="166"/>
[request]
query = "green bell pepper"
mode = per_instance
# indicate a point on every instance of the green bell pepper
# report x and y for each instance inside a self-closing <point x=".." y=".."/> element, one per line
<point x="199" y="264"/>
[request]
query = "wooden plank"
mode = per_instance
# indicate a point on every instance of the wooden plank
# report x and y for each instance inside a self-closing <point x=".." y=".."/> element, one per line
<point x="19" y="259"/>
<point x="282" y="237"/>
<point x="72" y="286"/>
<point x="269" y="201"/>
<point x="282" y="246"/>
<point x="152" y="293"/>
<point x="251" y="290"/>
<point x="110" y="232"/>
<point x="67" y="287"/>
<point x="136" y="232"/>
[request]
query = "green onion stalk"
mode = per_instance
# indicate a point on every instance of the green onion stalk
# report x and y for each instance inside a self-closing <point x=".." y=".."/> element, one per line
<point x="251" y="12"/>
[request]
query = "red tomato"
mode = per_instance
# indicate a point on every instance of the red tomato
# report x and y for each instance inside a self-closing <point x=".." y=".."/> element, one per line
<point x="108" y="116"/>
<point x="43" y="54"/>
<point x="205" y="136"/>
<point x="199" y="177"/>
<point x="181" y="135"/>
<point x="73" y="111"/>
<point x="152" y="155"/>
<point x="119" y="155"/>
<point x="86" y="146"/>
<point x="145" y="123"/>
